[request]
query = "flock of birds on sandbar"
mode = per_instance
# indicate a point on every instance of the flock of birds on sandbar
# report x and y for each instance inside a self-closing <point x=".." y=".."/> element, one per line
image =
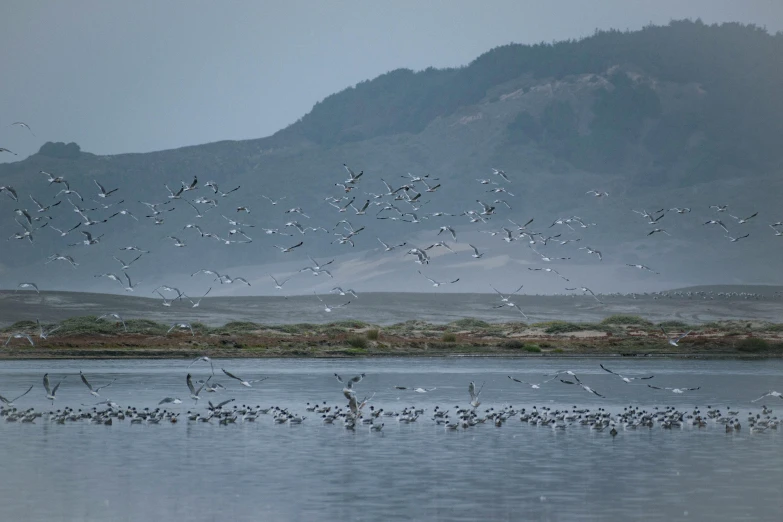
<point x="360" y="413"/>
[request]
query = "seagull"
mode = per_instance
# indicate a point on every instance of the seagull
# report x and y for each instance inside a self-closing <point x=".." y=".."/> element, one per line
<point x="19" y="335"/>
<point x="137" y="249"/>
<point x="505" y="299"/>
<point x="735" y="239"/>
<point x="674" y="390"/>
<point x="328" y="308"/>
<point x="340" y="291"/>
<point x="768" y="394"/>
<point x="171" y="400"/>
<point x="546" y="258"/>
<point x="353" y="177"/>
<point x="777" y="232"/>
<point x="449" y="230"/>
<point x="719" y="208"/>
<point x="177" y="242"/>
<point x="296" y="210"/>
<point x="59" y="257"/>
<point x="94" y="391"/>
<point x="717" y="222"/>
<point x="205" y="359"/>
<point x="28" y="285"/>
<point x="474" y="396"/>
<point x="3" y="149"/>
<point x="65" y="233"/>
<point x="23" y="124"/>
<point x="194" y="392"/>
<point x="182" y="326"/>
<point x="488" y="210"/>
<point x="352" y="380"/>
<point x="103" y="193"/>
<point x="532" y="385"/>
<point x="67" y="191"/>
<point x="126" y="266"/>
<point x="440" y="244"/>
<point x="674" y="340"/>
<point x="436" y="284"/>
<point x="680" y="210"/>
<point x="592" y="251"/>
<point x="741" y="221"/>
<point x="177" y="194"/>
<point x="584" y="387"/>
<point x="242" y="381"/>
<point x="41" y="207"/>
<point x="114" y="316"/>
<point x="278" y="285"/>
<point x="198" y="303"/>
<point x="586" y="290"/>
<point x="50" y="391"/>
<point x="656" y="230"/>
<point x="597" y="193"/>
<point x="89" y="239"/>
<point x="387" y="248"/>
<point x="642" y="267"/>
<point x="12" y="401"/>
<point x="552" y="270"/>
<point x="625" y="379"/>
<point x="289" y="249"/>
<point x="43" y="334"/>
<point x="500" y="173"/>
<point x="476" y="254"/>
<point x="11" y="192"/>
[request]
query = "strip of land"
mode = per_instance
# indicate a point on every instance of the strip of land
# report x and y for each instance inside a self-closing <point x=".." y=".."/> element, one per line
<point x="622" y="335"/>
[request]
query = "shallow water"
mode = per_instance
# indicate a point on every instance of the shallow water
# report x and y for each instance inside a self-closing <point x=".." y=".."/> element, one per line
<point x="419" y="471"/>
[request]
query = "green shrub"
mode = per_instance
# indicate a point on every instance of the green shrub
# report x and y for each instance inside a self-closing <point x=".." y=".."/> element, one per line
<point x="357" y="342"/>
<point x="753" y="345"/>
<point x="470" y="322"/>
<point x="676" y="325"/>
<point x="373" y="334"/>
<point x="532" y="348"/>
<point x="449" y="338"/>
<point x="514" y="344"/>
<point x="559" y="327"/>
<point x="626" y="319"/>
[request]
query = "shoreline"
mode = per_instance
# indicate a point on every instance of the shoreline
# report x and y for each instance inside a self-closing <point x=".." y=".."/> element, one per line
<point x="625" y="336"/>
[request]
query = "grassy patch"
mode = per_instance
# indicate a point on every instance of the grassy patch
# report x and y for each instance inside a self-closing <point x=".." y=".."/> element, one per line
<point x="532" y="348"/>
<point x="623" y="319"/>
<point x="752" y="345"/>
<point x="513" y="344"/>
<point x="357" y="342"/>
<point x="373" y="334"/>
<point x="470" y="323"/>
<point x="449" y="338"/>
<point x="559" y="327"/>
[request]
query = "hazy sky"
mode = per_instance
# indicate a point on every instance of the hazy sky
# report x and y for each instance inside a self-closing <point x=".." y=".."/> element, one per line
<point x="148" y="75"/>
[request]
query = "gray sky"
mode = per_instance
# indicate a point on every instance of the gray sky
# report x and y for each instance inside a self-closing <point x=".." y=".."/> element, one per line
<point x="147" y="75"/>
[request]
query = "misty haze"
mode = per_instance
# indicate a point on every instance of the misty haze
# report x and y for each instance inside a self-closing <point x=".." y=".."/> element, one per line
<point x="261" y="251"/>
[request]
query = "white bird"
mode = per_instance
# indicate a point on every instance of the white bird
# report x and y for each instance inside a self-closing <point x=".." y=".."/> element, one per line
<point x="735" y="239"/>
<point x="130" y="286"/>
<point x="500" y="173"/>
<point x="28" y="285"/>
<point x="50" y="392"/>
<point x="196" y="304"/>
<point x="10" y="402"/>
<point x="19" y="335"/>
<point x="60" y="257"/>
<point x="205" y="359"/>
<point x="243" y="382"/>
<point x="476" y="254"/>
<point x="328" y="308"/>
<point x="436" y="284"/>
<point x="625" y="379"/>
<point x="279" y="285"/>
<point x="103" y="192"/>
<point x="182" y="326"/>
<point x="676" y="339"/>
<point x="592" y="251"/>
<point x="126" y="266"/>
<point x="273" y="201"/>
<point x="674" y="390"/>
<point x="506" y="299"/>
<point x="742" y="221"/>
<point x="449" y="230"/>
<point x="23" y="124"/>
<point x="43" y="334"/>
<point x="768" y="394"/>
<point x="171" y="400"/>
<point x="535" y="386"/>
<point x="387" y="248"/>
<point x="65" y="233"/>
<point x="597" y="193"/>
<point x="340" y="291"/>
<point x="193" y="391"/>
<point x="717" y="222"/>
<point x="94" y="391"/>
<point x="642" y="267"/>
<point x="474" y="395"/>
<point x="177" y="242"/>
<point x="551" y="270"/>
<point x="289" y="249"/>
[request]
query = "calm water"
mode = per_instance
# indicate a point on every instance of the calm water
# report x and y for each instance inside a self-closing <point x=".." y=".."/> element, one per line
<point x="263" y="471"/>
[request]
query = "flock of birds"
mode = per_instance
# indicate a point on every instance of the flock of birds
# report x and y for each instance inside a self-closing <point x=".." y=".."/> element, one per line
<point x="359" y="413"/>
<point x="402" y="202"/>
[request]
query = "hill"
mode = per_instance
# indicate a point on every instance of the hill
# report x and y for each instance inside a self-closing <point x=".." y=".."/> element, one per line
<point x="684" y="115"/>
